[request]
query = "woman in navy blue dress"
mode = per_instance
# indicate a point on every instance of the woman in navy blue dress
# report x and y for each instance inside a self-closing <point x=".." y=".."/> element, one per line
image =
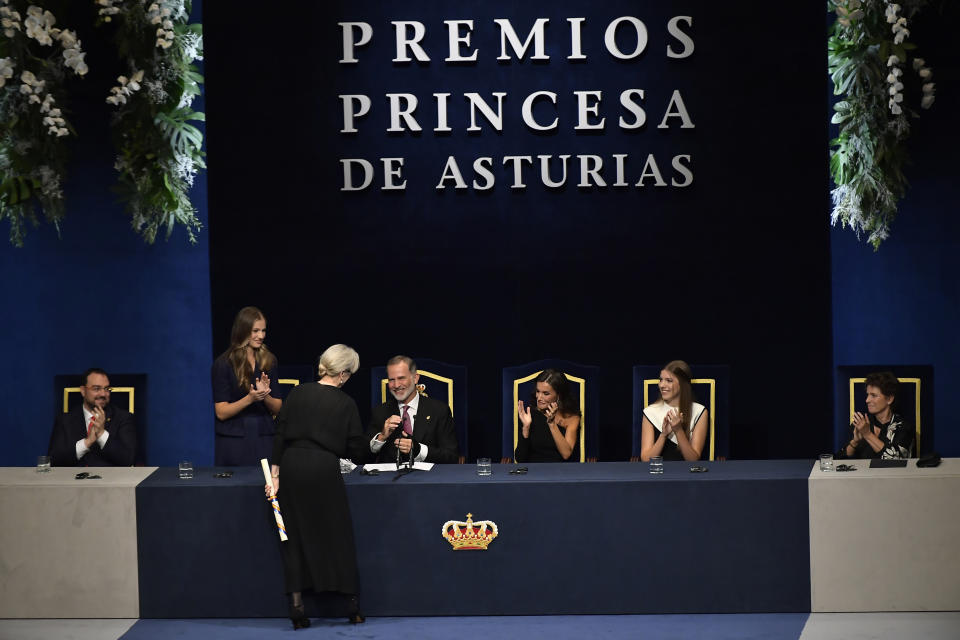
<point x="243" y="378"/>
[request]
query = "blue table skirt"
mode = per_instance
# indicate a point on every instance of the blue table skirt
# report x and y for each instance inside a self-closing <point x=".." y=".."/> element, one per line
<point x="573" y="539"/>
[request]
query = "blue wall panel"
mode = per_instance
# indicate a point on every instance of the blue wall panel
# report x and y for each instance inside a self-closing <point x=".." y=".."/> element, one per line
<point x="98" y="296"/>
<point x="901" y="303"/>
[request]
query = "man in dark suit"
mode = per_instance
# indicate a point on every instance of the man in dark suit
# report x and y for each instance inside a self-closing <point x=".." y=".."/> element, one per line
<point x="425" y="425"/>
<point x="95" y="434"/>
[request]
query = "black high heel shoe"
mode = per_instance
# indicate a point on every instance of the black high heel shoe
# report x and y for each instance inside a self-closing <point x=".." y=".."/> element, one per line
<point x="298" y="616"/>
<point x="355" y="617"/>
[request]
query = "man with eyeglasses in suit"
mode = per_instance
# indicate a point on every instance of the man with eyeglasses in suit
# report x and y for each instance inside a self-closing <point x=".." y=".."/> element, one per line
<point x="95" y="434"/>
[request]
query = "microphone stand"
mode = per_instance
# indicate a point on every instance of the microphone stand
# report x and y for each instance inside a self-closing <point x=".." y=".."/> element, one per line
<point x="404" y="463"/>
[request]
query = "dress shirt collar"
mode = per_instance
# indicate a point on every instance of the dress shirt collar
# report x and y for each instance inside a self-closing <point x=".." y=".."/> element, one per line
<point x="413" y="403"/>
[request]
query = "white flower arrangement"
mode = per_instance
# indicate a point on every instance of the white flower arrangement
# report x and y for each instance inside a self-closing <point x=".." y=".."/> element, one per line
<point x="37" y="58"/>
<point x="867" y="53"/>
<point x="9" y="20"/>
<point x="6" y="70"/>
<point x="126" y="88"/>
<point x="160" y="151"/>
<point x="107" y="9"/>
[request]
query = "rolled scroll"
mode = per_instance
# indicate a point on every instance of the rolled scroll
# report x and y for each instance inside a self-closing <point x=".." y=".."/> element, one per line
<point x="273" y="500"/>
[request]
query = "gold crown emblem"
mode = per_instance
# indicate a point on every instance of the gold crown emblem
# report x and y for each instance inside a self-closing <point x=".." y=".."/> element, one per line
<point x="469" y="535"/>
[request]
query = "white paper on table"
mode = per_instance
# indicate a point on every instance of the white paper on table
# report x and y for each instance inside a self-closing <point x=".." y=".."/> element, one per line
<point x="392" y="466"/>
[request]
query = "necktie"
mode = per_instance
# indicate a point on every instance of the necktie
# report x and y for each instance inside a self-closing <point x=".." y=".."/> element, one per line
<point x="90" y="426"/>
<point x="407" y="426"/>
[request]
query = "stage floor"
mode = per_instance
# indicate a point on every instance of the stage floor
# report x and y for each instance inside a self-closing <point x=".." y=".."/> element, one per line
<point x="766" y="626"/>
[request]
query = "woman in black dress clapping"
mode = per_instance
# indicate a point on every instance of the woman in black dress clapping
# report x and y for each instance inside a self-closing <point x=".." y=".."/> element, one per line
<point x="550" y="431"/>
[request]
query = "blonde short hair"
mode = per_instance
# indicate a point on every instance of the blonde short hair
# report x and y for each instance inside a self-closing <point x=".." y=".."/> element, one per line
<point x="337" y="359"/>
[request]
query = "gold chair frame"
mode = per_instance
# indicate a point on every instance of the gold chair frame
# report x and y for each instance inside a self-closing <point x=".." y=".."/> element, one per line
<point x="653" y="382"/>
<point x="583" y="409"/>
<point x="916" y="408"/>
<point x="128" y="390"/>
<point x="428" y="374"/>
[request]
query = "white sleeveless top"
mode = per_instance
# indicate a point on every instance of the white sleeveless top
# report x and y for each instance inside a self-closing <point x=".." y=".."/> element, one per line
<point x="656" y="412"/>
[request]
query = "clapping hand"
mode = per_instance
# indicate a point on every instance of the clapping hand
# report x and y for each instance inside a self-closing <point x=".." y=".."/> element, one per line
<point x="672" y="422"/>
<point x="861" y="425"/>
<point x="97" y="428"/>
<point x="99" y="421"/>
<point x="260" y="389"/>
<point x="551" y="412"/>
<point x="523" y="413"/>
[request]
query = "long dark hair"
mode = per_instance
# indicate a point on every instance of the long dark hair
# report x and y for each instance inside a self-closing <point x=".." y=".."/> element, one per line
<point x="239" y="339"/>
<point x="681" y="370"/>
<point x="567" y="403"/>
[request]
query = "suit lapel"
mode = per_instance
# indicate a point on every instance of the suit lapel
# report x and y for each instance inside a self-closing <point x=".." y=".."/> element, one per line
<point x="423" y="424"/>
<point x="77" y="424"/>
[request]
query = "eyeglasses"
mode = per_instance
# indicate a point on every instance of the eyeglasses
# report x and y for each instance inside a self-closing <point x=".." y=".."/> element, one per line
<point x="85" y="475"/>
<point x="519" y="471"/>
<point x="97" y="389"/>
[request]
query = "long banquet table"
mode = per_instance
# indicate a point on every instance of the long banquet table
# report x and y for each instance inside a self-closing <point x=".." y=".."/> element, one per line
<point x="747" y="536"/>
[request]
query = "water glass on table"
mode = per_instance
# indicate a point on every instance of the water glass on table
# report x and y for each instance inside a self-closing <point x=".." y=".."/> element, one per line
<point x="186" y="470"/>
<point x="43" y="464"/>
<point x="484" y="468"/>
<point x="656" y="465"/>
<point x="826" y="462"/>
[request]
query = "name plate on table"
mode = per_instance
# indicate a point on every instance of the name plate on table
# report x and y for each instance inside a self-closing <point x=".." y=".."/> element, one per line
<point x="878" y="463"/>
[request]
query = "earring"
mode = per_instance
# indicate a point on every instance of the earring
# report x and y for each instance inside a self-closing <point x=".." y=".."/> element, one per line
<point x="341" y="380"/>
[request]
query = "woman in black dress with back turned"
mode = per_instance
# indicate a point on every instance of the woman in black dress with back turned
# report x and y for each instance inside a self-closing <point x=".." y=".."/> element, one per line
<point x="550" y="432"/>
<point x="318" y="425"/>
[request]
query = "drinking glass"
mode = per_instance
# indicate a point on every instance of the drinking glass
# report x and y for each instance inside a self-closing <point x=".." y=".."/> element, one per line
<point x="484" y="468"/>
<point x="656" y="465"/>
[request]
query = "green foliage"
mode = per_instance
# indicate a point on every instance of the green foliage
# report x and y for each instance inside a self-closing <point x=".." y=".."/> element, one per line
<point x="159" y="150"/>
<point x="33" y="152"/>
<point x="867" y="157"/>
<point x="159" y="147"/>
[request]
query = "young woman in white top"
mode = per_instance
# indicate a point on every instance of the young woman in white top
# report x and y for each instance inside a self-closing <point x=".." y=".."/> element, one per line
<point x="674" y="427"/>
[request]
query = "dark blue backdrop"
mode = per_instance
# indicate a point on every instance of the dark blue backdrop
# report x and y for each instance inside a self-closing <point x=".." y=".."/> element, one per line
<point x="738" y="268"/>
<point x="900" y="305"/>
<point x="733" y="269"/>
<point x="98" y="296"/>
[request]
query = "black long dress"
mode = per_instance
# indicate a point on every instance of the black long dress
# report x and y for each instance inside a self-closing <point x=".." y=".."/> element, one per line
<point x="318" y="425"/>
<point x="540" y="447"/>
